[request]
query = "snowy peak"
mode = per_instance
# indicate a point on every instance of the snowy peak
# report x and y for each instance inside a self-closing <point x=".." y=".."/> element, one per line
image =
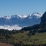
<point x="37" y="15"/>
<point x="23" y="16"/>
<point x="6" y="17"/>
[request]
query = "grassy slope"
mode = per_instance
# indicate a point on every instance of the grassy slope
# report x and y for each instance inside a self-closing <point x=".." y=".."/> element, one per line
<point x="26" y="39"/>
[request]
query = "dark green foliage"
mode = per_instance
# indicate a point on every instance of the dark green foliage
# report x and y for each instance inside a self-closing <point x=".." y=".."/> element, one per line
<point x="6" y="35"/>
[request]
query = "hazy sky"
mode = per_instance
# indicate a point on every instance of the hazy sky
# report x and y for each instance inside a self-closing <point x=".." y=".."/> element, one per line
<point x="12" y="7"/>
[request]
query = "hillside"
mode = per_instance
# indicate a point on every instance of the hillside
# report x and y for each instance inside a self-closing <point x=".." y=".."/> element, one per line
<point x="37" y="39"/>
<point x="27" y="36"/>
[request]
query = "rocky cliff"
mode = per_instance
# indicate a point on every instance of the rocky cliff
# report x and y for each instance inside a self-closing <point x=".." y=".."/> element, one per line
<point x="43" y="18"/>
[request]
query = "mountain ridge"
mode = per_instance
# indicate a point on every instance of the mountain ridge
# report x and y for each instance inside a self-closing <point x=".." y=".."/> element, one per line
<point x="20" y="20"/>
<point x="22" y="16"/>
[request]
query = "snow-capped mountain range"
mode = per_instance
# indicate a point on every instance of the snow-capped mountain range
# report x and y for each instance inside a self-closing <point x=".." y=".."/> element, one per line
<point x="18" y="21"/>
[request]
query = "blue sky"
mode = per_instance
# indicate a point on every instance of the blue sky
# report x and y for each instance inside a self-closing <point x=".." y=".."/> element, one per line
<point x="12" y="7"/>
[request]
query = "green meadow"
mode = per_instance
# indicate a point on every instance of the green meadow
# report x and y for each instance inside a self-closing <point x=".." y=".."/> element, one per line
<point x="38" y="38"/>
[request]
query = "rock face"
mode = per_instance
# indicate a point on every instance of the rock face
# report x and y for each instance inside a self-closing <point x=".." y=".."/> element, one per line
<point x="43" y="18"/>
